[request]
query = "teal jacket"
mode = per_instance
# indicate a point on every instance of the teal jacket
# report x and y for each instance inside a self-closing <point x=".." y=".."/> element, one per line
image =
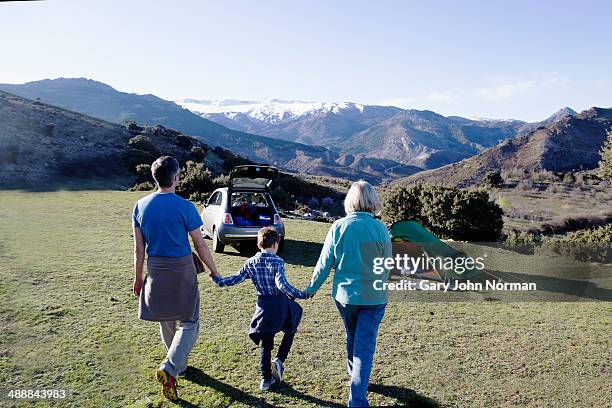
<point x="351" y="246"/>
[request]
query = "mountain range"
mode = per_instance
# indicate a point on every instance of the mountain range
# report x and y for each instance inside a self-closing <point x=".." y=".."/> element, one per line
<point x="103" y="101"/>
<point x="419" y="138"/>
<point x="571" y="143"/>
<point x="346" y="140"/>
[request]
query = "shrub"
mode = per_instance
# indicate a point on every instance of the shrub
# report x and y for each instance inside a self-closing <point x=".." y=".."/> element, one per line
<point x="133" y="157"/>
<point x="446" y="211"/>
<point x="588" y="245"/>
<point x="221" y="181"/>
<point x="145" y="186"/>
<point x="569" y="178"/>
<point x="143" y="173"/>
<point x="493" y="179"/>
<point x="521" y="241"/>
<point x="327" y="203"/>
<point x="133" y="127"/>
<point x="198" y="154"/>
<point x="142" y="142"/>
<point x="195" y="179"/>
<point x="183" y="141"/>
<point x="605" y="165"/>
<point x="313" y="203"/>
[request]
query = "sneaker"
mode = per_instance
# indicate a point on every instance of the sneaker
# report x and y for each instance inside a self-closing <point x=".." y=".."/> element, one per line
<point x="168" y="384"/>
<point x="278" y="368"/>
<point x="265" y="385"/>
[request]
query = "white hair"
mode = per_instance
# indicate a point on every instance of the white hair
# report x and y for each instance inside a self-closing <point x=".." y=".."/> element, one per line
<point x="362" y="197"/>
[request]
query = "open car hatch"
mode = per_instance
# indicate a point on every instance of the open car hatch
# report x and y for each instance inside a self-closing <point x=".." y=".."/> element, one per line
<point x="253" y="176"/>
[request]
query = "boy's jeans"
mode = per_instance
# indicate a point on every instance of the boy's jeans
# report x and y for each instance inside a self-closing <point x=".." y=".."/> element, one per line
<point x="361" y="326"/>
<point x="267" y="344"/>
<point x="178" y="343"/>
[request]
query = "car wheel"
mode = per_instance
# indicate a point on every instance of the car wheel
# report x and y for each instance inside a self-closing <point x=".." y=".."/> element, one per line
<point x="217" y="245"/>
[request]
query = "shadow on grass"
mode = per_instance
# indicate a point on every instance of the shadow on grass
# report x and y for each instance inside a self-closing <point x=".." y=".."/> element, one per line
<point x="287" y="390"/>
<point x="302" y="253"/>
<point x="199" y="377"/>
<point x="295" y="252"/>
<point x="405" y="396"/>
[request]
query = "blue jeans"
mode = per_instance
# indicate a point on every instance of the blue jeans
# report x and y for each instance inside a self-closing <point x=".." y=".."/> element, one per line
<point x="361" y="326"/>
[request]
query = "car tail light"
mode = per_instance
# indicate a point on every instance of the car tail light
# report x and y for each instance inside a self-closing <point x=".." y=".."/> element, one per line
<point x="227" y="218"/>
<point x="277" y="219"/>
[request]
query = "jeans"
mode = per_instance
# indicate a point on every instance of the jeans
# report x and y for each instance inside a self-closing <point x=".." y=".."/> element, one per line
<point x="361" y="326"/>
<point x="267" y="344"/>
<point x="178" y="344"/>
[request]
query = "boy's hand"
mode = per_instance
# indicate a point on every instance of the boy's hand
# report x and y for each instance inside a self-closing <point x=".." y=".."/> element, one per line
<point x="214" y="274"/>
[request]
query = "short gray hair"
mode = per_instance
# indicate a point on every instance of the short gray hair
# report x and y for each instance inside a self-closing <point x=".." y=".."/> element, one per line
<point x="362" y="197"/>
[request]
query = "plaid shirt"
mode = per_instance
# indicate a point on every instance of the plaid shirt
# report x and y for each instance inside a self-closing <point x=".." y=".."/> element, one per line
<point x="267" y="272"/>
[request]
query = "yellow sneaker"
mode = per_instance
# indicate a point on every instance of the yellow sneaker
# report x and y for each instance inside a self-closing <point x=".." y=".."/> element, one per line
<point x="168" y="384"/>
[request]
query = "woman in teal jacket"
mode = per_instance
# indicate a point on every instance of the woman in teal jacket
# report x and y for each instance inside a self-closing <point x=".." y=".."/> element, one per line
<point x="351" y="246"/>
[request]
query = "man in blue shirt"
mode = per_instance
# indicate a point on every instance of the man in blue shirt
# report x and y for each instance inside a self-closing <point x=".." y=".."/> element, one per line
<point x="163" y="223"/>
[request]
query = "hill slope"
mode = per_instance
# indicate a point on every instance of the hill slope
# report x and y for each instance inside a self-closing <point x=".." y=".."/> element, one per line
<point x="572" y="143"/>
<point x="41" y="144"/>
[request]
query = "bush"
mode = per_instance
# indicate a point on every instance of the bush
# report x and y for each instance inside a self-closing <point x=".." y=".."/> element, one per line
<point x="313" y="203"/>
<point x="448" y="212"/>
<point x="143" y="173"/>
<point x="133" y="157"/>
<point x="183" y="141"/>
<point x="521" y="241"/>
<point x="493" y="179"/>
<point x="145" y="186"/>
<point x="328" y="203"/>
<point x="588" y="245"/>
<point x="605" y="165"/>
<point x="195" y="180"/>
<point x="142" y="142"/>
<point x="133" y="127"/>
<point x="198" y="154"/>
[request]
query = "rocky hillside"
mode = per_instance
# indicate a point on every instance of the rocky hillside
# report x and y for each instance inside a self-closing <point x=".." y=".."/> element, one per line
<point x="572" y="143"/>
<point x="42" y="145"/>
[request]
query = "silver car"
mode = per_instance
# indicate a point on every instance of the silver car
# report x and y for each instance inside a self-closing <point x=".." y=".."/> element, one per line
<point x="236" y="213"/>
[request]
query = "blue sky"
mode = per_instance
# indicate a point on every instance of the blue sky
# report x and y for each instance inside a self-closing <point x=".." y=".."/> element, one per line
<point x="502" y="59"/>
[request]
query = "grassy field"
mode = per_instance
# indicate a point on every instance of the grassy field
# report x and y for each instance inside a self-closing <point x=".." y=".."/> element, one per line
<point x="530" y="208"/>
<point x="68" y="320"/>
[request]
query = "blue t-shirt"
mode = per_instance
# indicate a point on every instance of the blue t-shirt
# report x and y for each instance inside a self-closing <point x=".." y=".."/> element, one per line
<point x="165" y="220"/>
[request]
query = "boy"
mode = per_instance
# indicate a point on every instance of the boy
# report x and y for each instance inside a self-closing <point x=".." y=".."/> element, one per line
<point x="276" y="309"/>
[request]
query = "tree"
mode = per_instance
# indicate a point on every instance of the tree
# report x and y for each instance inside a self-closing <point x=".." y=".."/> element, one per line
<point x="313" y="203"/>
<point x="465" y="215"/>
<point x="195" y="181"/>
<point x="605" y="165"/>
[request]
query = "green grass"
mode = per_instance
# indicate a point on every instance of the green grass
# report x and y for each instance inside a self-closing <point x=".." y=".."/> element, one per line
<point x="68" y="320"/>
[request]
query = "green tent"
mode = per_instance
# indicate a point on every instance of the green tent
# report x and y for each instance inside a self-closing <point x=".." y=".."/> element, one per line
<point x="412" y="239"/>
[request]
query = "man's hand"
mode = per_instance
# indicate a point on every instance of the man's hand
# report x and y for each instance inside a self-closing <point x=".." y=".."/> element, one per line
<point x="137" y="286"/>
<point x="214" y="274"/>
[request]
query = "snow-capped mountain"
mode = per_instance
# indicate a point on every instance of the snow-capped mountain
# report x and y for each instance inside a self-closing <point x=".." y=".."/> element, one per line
<point x="272" y="111"/>
<point x="316" y="123"/>
<point x="408" y="136"/>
